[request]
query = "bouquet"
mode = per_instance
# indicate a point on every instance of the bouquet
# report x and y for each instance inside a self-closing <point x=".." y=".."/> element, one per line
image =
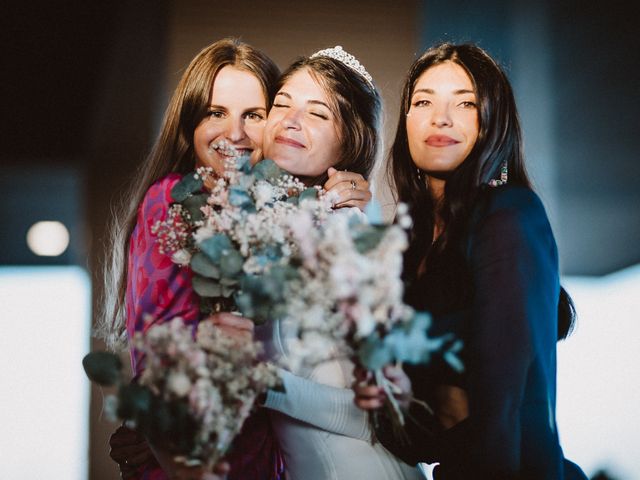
<point x="193" y="395"/>
<point x="347" y="300"/>
<point x="236" y="238"/>
<point x="261" y="242"/>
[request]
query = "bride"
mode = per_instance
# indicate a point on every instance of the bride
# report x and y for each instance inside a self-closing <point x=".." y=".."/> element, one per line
<point x="325" y="114"/>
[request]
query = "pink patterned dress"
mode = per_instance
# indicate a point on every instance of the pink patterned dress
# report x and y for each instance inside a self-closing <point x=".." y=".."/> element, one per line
<point x="158" y="287"/>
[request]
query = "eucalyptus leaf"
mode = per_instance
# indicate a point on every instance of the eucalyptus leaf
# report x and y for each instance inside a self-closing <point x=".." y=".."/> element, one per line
<point x="231" y="263"/>
<point x="228" y="290"/>
<point x="410" y="343"/>
<point x="201" y="265"/>
<point x="244" y="304"/>
<point x="243" y="164"/>
<point x="266" y="170"/>
<point x="239" y="197"/>
<point x="134" y="402"/>
<point x="309" y="194"/>
<point x="185" y="187"/>
<point x="373" y="354"/>
<point x="229" y="282"/>
<point x="206" y="287"/>
<point x="246" y="181"/>
<point x="194" y="204"/>
<point x="104" y="368"/>
<point x="367" y="237"/>
<point x="214" y="246"/>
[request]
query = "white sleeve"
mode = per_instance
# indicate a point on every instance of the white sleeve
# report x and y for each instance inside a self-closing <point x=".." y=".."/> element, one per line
<point x="329" y="408"/>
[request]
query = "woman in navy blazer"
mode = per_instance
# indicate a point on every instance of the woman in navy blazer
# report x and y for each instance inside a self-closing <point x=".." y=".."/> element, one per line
<point x="483" y="260"/>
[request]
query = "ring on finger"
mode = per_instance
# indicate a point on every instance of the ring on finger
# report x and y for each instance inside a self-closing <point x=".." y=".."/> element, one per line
<point x="353" y="184"/>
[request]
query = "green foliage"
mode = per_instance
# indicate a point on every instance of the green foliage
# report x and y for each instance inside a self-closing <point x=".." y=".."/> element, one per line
<point x="309" y="194"/>
<point x="134" y="403"/>
<point x="193" y="204"/>
<point x="261" y="297"/>
<point x="206" y="287"/>
<point x="239" y="197"/>
<point x="367" y="237"/>
<point x="214" y="247"/>
<point x="373" y="353"/>
<point x="231" y="263"/>
<point x="167" y="424"/>
<point x="266" y="170"/>
<point x="103" y="368"/>
<point x="201" y="265"/>
<point x="187" y="186"/>
<point x="407" y="342"/>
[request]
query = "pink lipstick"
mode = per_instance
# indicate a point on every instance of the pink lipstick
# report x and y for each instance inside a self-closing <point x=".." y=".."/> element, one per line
<point x="288" y="141"/>
<point x="440" y="141"/>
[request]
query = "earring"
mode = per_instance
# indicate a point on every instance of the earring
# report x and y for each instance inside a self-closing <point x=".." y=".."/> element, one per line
<point x="504" y="176"/>
<point x="419" y="172"/>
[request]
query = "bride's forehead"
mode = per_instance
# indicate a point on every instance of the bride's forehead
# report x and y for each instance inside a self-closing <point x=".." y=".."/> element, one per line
<point x="304" y="85"/>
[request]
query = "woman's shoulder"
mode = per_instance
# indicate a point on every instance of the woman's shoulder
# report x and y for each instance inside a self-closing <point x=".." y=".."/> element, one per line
<point x="157" y="199"/>
<point x="512" y="204"/>
<point x="513" y="197"/>
<point x="161" y="188"/>
<point x="513" y="213"/>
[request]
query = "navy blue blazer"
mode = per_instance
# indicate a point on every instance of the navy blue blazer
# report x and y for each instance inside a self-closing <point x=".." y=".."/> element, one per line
<point x="506" y="313"/>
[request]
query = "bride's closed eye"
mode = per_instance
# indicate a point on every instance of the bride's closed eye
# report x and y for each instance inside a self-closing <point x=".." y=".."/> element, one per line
<point x="321" y="115"/>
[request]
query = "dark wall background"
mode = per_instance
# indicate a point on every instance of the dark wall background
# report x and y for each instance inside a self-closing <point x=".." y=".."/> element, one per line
<point x="575" y="68"/>
<point x="85" y="84"/>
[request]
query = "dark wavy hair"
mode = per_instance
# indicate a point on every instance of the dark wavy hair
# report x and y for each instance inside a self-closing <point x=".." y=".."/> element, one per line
<point x="357" y="106"/>
<point x="499" y="142"/>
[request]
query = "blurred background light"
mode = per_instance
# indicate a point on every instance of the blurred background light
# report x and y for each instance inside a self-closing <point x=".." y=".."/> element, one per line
<point x="45" y="323"/>
<point x="48" y="238"/>
<point x="598" y="372"/>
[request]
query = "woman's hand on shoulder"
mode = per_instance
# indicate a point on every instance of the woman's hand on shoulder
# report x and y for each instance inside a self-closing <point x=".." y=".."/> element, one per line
<point x="235" y="326"/>
<point x="352" y="189"/>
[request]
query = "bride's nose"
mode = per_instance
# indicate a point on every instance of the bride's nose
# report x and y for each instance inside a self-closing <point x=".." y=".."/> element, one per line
<point x="292" y="119"/>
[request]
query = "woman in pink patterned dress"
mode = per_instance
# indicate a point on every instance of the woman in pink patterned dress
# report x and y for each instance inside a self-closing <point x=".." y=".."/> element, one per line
<point x="223" y="98"/>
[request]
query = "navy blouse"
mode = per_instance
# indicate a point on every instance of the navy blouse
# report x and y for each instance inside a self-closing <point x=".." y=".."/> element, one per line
<point x="505" y="309"/>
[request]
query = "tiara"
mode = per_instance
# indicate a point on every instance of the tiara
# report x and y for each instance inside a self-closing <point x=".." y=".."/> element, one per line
<point x="341" y="55"/>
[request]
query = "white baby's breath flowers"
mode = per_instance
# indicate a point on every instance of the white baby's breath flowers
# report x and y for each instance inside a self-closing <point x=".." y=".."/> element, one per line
<point x="217" y="377"/>
<point x="344" y="293"/>
<point x="181" y="257"/>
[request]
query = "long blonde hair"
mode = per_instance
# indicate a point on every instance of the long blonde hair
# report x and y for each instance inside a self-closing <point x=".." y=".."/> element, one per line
<point x="173" y="151"/>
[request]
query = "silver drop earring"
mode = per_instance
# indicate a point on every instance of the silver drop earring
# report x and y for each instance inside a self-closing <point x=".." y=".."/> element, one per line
<point x="504" y="176"/>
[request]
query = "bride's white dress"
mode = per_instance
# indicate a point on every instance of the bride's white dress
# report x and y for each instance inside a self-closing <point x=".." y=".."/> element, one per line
<point x="321" y="432"/>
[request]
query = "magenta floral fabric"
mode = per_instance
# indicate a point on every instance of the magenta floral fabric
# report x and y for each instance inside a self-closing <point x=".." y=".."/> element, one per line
<point x="160" y="290"/>
<point x="156" y="286"/>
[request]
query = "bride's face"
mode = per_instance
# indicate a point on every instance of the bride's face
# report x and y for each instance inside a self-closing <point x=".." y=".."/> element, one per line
<point x="302" y="133"/>
<point x="236" y="118"/>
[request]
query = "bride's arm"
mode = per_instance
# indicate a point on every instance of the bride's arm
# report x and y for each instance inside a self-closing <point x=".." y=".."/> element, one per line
<point x="329" y="408"/>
